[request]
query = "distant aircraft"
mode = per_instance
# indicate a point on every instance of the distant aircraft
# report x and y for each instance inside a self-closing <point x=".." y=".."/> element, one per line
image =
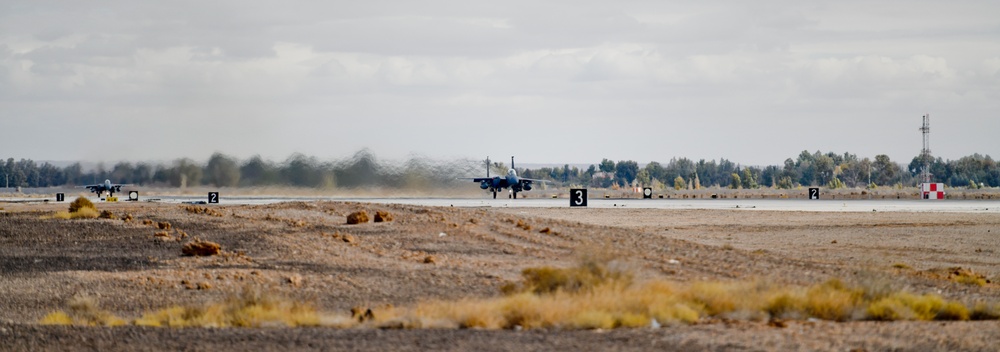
<point x="107" y="186"/>
<point x="516" y="184"/>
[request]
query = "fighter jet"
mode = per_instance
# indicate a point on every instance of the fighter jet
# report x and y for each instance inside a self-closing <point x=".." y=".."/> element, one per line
<point x="107" y="186"/>
<point x="497" y="183"/>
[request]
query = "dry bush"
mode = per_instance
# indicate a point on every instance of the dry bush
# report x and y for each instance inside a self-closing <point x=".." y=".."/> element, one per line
<point x="163" y="225"/>
<point x="382" y="216"/>
<point x="250" y="308"/>
<point x="82" y="213"/>
<point x="985" y="311"/>
<point x="81" y="203"/>
<point x="594" y="296"/>
<point x="358" y="217"/>
<point x="147" y="222"/>
<point x="590" y="273"/>
<point x="83" y="311"/>
<point x="107" y="214"/>
<point x="967" y="276"/>
<point x="906" y="306"/>
<point x="201" y="248"/>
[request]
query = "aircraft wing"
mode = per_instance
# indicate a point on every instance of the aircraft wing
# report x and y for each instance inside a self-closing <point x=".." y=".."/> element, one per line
<point x="91" y="187"/>
<point x="534" y="180"/>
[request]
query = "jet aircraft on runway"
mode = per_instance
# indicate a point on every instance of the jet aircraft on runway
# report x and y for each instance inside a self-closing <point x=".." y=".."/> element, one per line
<point x="107" y="186"/>
<point x="511" y="180"/>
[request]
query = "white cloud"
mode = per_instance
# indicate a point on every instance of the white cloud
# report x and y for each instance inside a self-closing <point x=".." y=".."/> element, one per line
<point x="436" y="76"/>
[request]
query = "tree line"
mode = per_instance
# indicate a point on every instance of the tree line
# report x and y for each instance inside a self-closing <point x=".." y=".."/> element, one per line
<point x="363" y="169"/>
<point x="830" y="169"/>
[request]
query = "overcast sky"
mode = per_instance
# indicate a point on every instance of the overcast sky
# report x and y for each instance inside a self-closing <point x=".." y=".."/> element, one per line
<point x="549" y="81"/>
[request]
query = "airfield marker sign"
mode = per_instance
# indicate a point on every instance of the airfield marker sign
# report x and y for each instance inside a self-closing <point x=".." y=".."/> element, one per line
<point x="213" y="197"/>
<point x="813" y="193"/>
<point x="60" y="197"/>
<point x="647" y="193"/>
<point x="133" y="196"/>
<point x="578" y="197"/>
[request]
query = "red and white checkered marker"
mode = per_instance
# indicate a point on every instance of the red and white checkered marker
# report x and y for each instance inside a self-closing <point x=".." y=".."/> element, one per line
<point x="932" y="190"/>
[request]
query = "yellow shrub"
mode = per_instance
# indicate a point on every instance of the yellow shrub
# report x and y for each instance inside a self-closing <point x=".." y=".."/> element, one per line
<point x="953" y="311"/>
<point x="57" y="318"/>
<point x="832" y="300"/>
<point x="591" y="319"/>
<point x="84" y="213"/>
<point x="81" y="203"/>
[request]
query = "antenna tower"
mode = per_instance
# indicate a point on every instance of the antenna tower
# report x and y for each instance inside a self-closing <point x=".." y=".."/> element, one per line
<point x="926" y="153"/>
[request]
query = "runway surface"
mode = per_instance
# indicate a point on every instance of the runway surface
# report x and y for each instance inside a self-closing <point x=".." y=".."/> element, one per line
<point x="900" y="205"/>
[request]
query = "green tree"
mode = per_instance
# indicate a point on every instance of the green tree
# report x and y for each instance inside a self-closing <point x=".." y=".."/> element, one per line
<point x="835" y="183"/>
<point x="735" y="182"/>
<point x="785" y="182"/>
<point x="748" y="180"/>
<point x="625" y="172"/>
<point x="257" y="172"/>
<point x="884" y="171"/>
<point x="643" y="178"/>
<point x="222" y="171"/>
<point x="679" y="183"/>
<point x="607" y="165"/>
<point x="186" y="173"/>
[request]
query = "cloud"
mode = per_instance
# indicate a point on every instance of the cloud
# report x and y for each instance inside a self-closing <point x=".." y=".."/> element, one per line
<point x="301" y="72"/>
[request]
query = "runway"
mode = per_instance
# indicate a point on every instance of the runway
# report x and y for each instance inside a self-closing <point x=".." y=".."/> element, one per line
<point x="897" y="205"/>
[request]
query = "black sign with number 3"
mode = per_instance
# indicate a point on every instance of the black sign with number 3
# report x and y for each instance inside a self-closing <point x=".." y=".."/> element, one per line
<point x="578" y="197"/>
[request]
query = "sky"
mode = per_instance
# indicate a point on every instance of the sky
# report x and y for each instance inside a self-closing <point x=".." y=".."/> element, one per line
<point x="754" y="82"/>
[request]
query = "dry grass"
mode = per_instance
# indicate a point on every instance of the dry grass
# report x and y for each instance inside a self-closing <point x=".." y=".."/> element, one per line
<point x="958" y="275"/>
<point x="596" y="294"/>
<point x="81" y="213"/>
<point x="81" y="203"/>
<point x="967" y="276"/>
<point x="83" y="311"/>
<point x="985" y="311"/>
<point x="251" y="308"/>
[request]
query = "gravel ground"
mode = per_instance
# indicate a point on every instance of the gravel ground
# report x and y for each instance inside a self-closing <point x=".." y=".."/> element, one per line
<point x="130" y="270"/>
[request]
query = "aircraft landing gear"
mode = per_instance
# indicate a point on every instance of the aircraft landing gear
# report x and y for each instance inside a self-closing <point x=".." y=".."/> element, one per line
<point x="494" y="194"/>
<point x="515" y="194"/>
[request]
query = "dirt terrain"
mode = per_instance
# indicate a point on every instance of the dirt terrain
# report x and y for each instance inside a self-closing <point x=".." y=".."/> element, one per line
<point x="305" y="251"/>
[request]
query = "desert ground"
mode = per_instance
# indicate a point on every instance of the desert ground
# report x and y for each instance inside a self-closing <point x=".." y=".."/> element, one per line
<point x="306" y="252"/>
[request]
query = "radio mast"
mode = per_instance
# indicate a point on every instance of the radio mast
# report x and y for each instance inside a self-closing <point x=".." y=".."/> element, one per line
<point x="926" y="153"/>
